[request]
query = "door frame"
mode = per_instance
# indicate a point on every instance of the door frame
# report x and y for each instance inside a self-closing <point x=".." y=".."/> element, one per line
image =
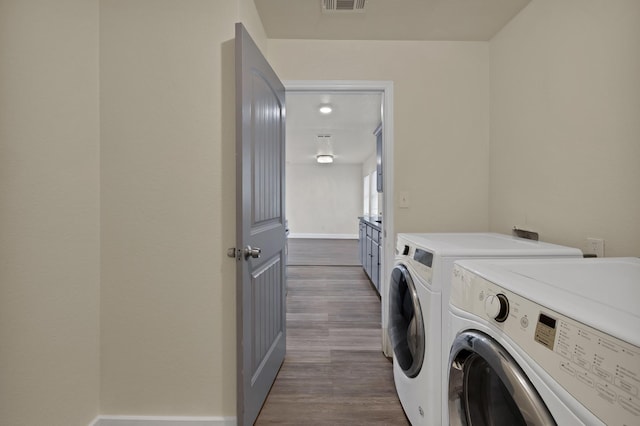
<point x="388" y="232"/>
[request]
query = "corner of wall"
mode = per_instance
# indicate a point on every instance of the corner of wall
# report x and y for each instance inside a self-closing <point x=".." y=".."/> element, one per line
<point x="250" y="17"/>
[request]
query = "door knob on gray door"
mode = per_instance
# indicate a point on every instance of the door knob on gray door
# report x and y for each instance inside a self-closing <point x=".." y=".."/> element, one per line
<point x="253" y="252"/>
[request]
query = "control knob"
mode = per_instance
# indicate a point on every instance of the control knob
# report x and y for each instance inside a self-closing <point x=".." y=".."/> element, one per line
<point x="497" y="307"/>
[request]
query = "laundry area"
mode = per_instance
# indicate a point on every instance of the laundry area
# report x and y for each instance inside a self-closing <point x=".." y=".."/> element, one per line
<point x="159" y="228"/>
<point x="495" y="329"/>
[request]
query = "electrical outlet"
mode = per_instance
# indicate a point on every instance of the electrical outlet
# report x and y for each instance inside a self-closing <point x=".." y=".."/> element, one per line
<point x="595" y="246"/>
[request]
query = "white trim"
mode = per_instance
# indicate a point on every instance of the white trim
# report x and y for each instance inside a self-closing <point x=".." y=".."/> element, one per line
<point x="163" y="421"/>
<point x="388" y="229"/>
<point x="326" y="236"/>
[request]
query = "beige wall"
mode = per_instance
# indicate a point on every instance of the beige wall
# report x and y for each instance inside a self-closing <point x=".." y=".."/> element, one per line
<point x="159" y="74"/>
<point x="565" y="123"/>
<point x="248" y="15"/>
<point x="441" y="141"/>
<point x="324" y="198"/>
<point x="49" y="212"/>
<point x="168" y="206"/>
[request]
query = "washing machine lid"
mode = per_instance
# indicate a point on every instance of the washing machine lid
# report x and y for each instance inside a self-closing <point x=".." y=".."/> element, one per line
<point x="602" y="293"/>
<point x="486" y="244"/>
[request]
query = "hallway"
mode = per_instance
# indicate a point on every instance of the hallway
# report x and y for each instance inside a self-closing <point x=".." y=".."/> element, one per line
<point x="334" y="371"/>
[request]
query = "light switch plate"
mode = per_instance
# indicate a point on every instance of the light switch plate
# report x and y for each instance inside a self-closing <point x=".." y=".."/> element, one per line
<point x="404" y="199"/>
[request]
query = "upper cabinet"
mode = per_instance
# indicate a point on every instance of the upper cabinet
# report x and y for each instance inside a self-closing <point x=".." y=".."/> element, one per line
<point x="378" y="134"/>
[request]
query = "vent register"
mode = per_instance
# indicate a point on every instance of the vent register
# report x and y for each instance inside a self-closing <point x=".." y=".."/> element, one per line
<point x="324" y="144"/>
<point x="333" y="6"/>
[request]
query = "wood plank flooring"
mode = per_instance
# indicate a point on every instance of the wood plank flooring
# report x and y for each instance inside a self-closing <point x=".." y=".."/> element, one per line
<point x="334" y="372"/>
<point x="310" y="251"/>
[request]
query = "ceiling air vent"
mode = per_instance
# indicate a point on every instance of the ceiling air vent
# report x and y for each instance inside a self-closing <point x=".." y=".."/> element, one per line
<point x="333" y="6"/>
<point x="323" y="139"/>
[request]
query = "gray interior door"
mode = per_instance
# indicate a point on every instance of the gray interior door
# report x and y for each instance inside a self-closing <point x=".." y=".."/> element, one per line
<point x="261" y="281"/>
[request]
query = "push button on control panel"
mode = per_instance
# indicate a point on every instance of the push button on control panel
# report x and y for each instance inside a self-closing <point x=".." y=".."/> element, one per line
<point x="626" y="386"/>
<point x="606" y="392"/>
<point x="584" y="378"/>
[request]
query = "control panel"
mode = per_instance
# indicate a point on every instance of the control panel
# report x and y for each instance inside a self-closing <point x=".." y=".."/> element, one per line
<point x="597" y="369"/>
<point x="421" y="260"/>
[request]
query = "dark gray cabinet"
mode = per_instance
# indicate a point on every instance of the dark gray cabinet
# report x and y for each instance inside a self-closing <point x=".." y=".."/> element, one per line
<point x="369" y="243"/>
<point x="362" y="236"/>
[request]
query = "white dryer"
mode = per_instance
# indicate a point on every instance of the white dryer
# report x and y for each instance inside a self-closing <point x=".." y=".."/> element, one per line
<point x="545" y="342"/>
<point x="418" y="298"/>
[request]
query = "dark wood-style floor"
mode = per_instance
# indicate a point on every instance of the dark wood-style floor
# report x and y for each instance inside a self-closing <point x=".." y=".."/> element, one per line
<point x="305" y="252"/>
<point x="334" y="372"/>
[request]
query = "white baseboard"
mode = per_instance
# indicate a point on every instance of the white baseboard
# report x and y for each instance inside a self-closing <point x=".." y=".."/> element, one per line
<point x="326" y="236"/>
<point x="163" y="421"/>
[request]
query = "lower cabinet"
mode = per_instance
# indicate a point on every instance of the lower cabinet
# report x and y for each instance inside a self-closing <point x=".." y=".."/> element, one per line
<point x="375" y="261"/>
<point x="362" y="236"/>
<point x="369" y="248"/>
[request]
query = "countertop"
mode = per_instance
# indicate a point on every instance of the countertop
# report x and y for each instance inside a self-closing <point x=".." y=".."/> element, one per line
<point x="375" y="221"/>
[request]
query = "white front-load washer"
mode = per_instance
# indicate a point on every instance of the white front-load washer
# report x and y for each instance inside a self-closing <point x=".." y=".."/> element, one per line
<point x="418" y="298"/>
<point x="545" y="342"/>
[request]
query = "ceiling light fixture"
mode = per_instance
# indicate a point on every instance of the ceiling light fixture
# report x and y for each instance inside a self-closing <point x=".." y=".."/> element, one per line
<point x="324" y="158"/>
<point x="326" y="109"/>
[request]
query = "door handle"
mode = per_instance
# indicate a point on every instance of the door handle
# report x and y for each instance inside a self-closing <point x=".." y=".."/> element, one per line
<point x="253" y="252"/>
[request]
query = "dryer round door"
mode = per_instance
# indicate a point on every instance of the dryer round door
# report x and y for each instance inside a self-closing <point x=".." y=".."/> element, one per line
<point x="487" y="387"/>
<point x="406" y="326"/>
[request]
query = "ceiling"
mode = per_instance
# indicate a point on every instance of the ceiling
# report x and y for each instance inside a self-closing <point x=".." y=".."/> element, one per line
<point x="456" y="20"/>
<point x="350" y="126"/>
<point x="356" y="116"/>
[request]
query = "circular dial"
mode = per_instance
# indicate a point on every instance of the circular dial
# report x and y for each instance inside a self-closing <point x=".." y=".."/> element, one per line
<point x="497" y="307"/>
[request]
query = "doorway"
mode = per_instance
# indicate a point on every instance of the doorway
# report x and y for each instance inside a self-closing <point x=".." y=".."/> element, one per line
<point x="383" y="89"/>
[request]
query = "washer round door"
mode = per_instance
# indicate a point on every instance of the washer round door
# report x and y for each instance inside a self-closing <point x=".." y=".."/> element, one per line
<point x="406" y="326"/>
<point x="487" y="387"/>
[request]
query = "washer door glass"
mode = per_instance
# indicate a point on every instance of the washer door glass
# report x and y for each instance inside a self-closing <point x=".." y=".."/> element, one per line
<point x="406" y="327"/>
<point x="487" y="387"/>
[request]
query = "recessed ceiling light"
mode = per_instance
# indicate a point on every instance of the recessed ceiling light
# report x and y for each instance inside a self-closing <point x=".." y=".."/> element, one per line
<point x="324" y="158"/>
<point x="326" y="109"/>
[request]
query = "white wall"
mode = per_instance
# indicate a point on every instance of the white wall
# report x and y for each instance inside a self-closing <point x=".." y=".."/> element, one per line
<point x="369" y="166"/>
<point x="441" y="140"/>
<point x="324" y="199"/>
<point x="565" y="123"/>
<point x="49" y="212"/>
